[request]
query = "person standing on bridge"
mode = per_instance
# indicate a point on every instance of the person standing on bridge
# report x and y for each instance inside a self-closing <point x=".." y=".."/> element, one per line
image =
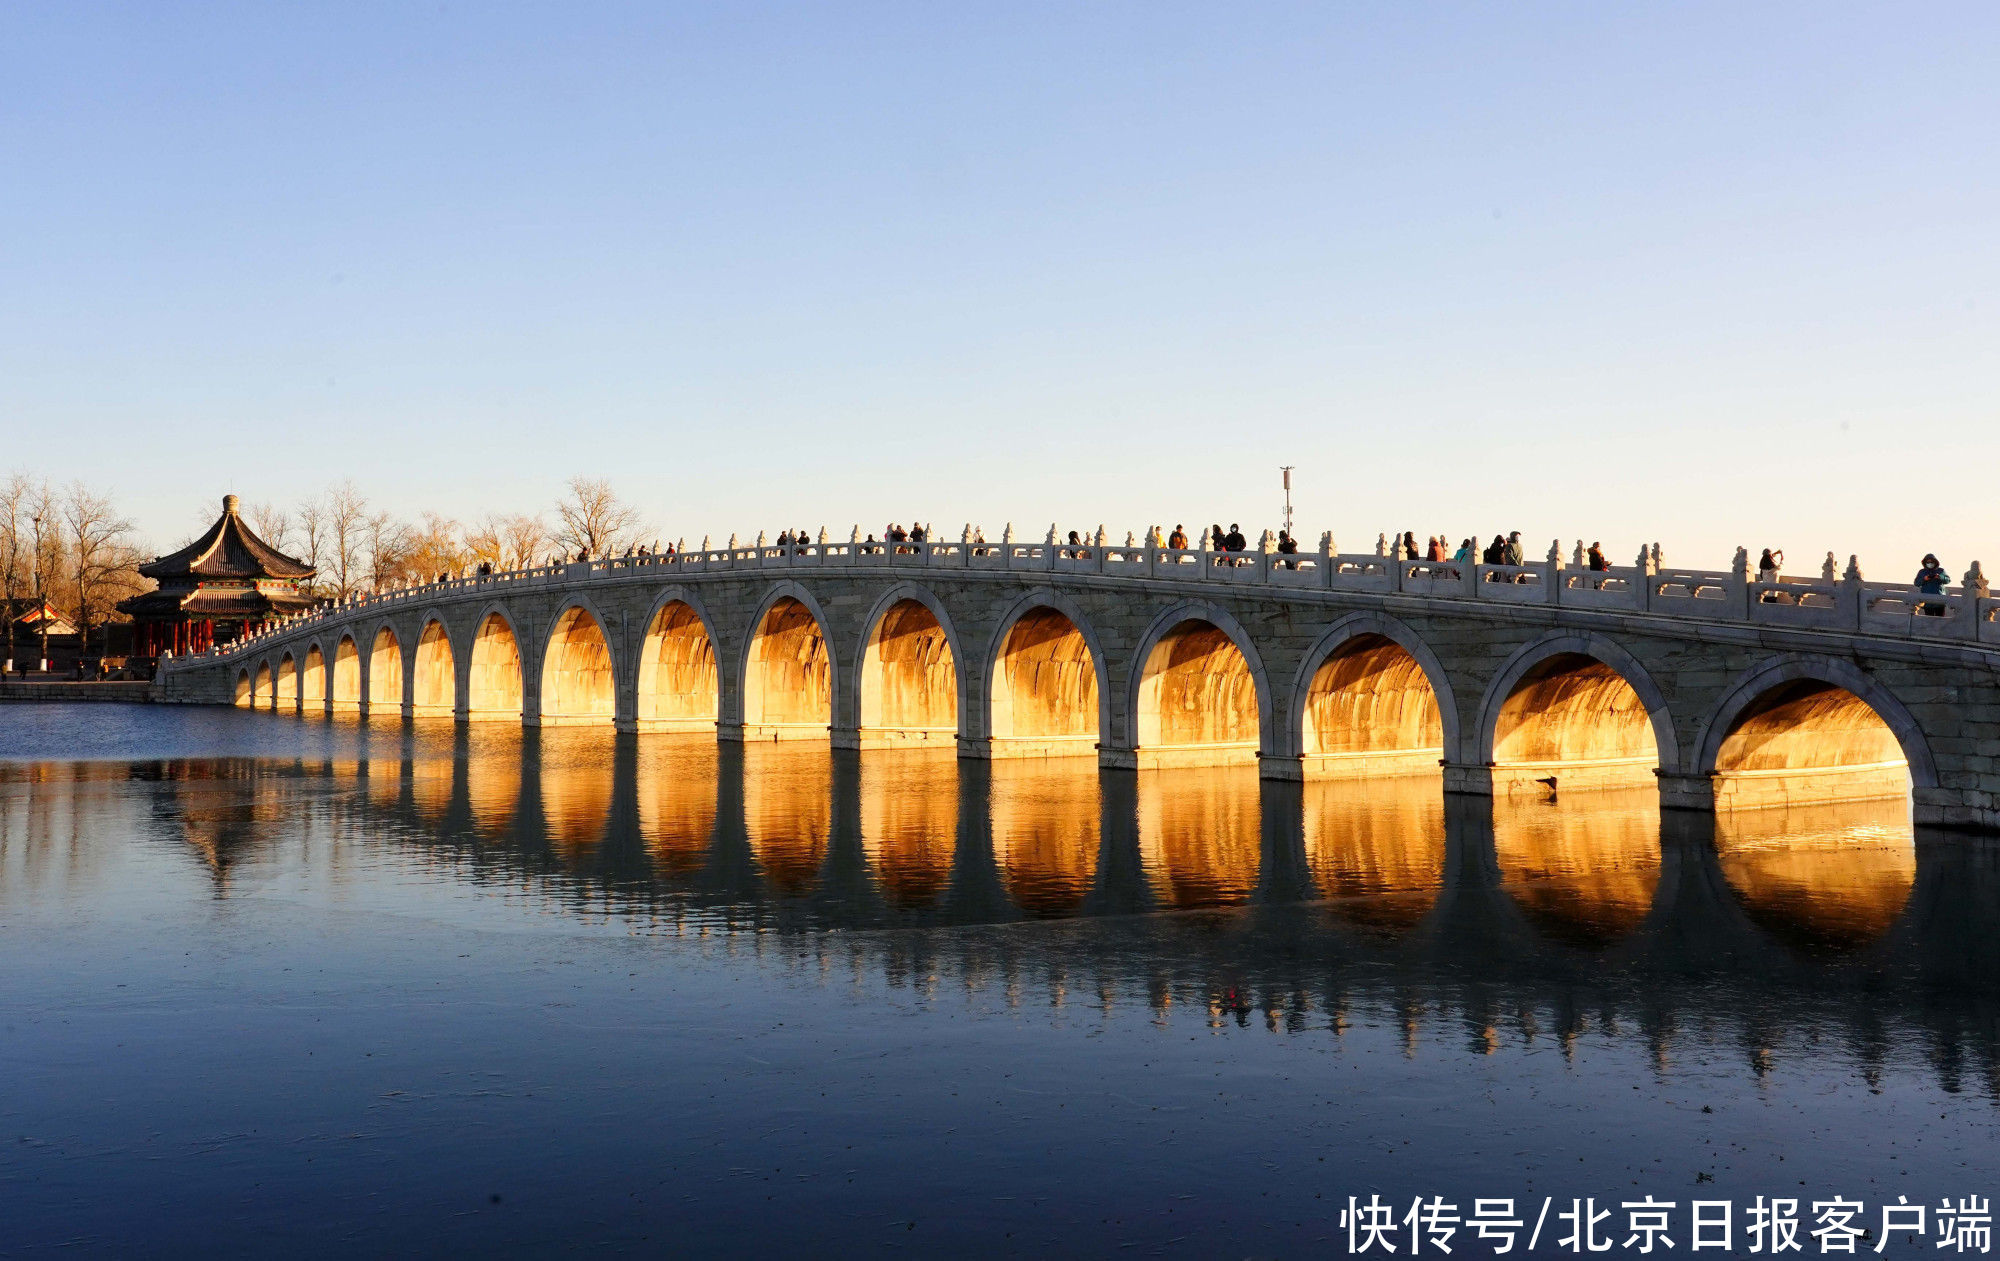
<point x="1596" y="559"/>
<point x="1235" y="542"/>
<point x="1768" y="565"/>
<point x="1932" y="580"/>
<point x="1178" y="540"/>
<point x="1515" y="554"/>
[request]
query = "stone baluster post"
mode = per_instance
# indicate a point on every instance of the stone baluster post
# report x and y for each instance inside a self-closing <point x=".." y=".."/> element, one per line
<point x="1968" y="602"/>
<point x="1739" y="581"/>
<point x="1848" y="601"/>
<point x="1553" y="576"/>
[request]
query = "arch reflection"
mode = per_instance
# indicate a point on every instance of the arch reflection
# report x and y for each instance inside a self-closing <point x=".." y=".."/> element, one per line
<point x="1830" y="877"/>
<point x="788" y="811"/>
<point x="909" y="822"/>
<point x="677" y="792"/>
<point x="1376" y="848"/>
<point x="1046" y="817"/>
<point x="1199" y="833"/>
<point x="1584" y="871"/>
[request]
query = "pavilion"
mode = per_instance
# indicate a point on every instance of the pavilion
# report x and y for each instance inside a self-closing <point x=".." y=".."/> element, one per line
<point x="226" y="584"/>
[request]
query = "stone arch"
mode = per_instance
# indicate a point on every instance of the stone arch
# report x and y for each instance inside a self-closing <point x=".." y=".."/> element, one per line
<point x="246" y="696"/>
<point x="1374" y="677"/>
<point x="285" y="691"/>
<point x="1577" y="706"/>
<point x="260" y="690"/>
<point x="494" y="687"/>
<point x="346" y="678"/>
<point x="1048" y="680"/>
<point x="434" y="675"/>
<point x="1800" y="729"/>
<point x="312" y="677"/>
<point x="679" y="683"/>
<point x="788" y="671"/>
<point x="910" y="687"/>
<point x="579" y="677"/>
<point x="1199" y="695"/>
<point x="385" y="670"/>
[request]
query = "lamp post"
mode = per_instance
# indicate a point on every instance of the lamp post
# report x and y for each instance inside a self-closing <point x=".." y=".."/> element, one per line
<point x="41" y="599"/>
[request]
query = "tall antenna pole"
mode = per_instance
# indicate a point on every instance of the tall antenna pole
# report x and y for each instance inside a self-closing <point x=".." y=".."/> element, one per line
<point x="1286" y="469"/>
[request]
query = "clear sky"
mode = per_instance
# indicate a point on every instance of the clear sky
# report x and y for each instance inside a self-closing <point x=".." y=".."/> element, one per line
<point x="1703" y="273"/>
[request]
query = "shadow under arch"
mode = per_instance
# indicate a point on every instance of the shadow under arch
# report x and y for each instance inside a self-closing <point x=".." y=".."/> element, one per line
<point x="1371" y="696"/>
<point x="579" y="674"/>
<point x="789" y="677"/>
<point x="1576" y="706"/>
<point x="909" y="684"/>
<point x="434" y="673"/>
<point x="1047" y="682"/>
<point x="495" y="683"/>
<point x="1801" y="729"/>
<point x="1194" y="675"/>
<point x="679" y="681"/>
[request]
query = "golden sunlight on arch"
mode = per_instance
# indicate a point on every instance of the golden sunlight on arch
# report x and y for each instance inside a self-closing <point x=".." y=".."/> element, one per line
<point x="1574" y="718"/>
<point x="312" y="679"/>
<point x="434" y="686"/>
<point x="788" y="679"/>
<point x="1197" y="703"/>
<point x="346" y="674"/>
<point x="1044" y="690"/>
<point x="493" y="685"/>
<point x="679" y="686"/>
<point x="1808" y="741"/>
<point x="385" y="673"/>
<point x="286" y="696"/>
<point x="909" y="682"/>
<point x="578" y="687"/>
<point x="260" y="694"/>
<point x="1371" y="710"/>
<point x="245" y="695"/>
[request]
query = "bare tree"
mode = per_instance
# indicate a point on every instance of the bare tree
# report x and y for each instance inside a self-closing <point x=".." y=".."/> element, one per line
<point x="345" y="524"/>
<point x="523" y="537"/>
<point x="313" y="524"/>
<point x="433" y="548"/>
<point x="45" y="516"/>
<point x="103" y="565"/>
<point x="14" y="549"/>
<point x="389" y="543"/>
<point x="593" y="520"/>
<point x="272" y="524"/>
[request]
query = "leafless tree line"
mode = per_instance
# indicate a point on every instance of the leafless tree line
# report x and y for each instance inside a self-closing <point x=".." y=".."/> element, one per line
<point x="357" y="547"/>
<point x="67" y="546"/>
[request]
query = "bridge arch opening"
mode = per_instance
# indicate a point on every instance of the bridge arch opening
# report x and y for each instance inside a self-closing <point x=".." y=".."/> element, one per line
<point x="260" y="694"/>
<point x="312" y="679"/>
<point x="909" y="680"/>
<point x="346" y="674"/>
<point x="578" y="684"/>
<point x="1577" y="719"/>
<point x="680" y="688"/>
<point x="434" y="687"/>
<point x="1044" y="689"/>
<point x="1807" y="740"/>
<point x="246" y="696"/>
<point x="1371" y="709"/>
<point x="788" y="677"/>
<point x="286" y="695"/>
<point x="493" y="687"/>
<point x="1196" y="704"/>
<point x="385" y="672"/>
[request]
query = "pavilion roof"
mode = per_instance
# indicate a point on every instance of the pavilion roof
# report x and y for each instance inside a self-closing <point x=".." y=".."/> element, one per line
<point x="228" y="550"/>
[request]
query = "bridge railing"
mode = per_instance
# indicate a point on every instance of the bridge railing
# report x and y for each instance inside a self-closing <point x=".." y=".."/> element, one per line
<point x="1895" y="610"/>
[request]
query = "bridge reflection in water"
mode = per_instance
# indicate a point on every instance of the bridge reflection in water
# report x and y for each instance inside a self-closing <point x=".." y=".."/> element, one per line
<point x="1312" y="900"/>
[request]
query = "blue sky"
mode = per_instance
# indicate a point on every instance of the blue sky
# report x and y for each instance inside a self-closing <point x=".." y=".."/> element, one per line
<point x="1707" y="274"/>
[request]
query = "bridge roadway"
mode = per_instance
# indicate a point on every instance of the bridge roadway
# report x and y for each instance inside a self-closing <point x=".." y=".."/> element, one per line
<point x="1723" y="690"/>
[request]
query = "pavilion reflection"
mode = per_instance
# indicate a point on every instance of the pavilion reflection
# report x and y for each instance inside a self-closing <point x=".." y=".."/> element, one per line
<point x="1825" y="877"/>
<point x="1376" y="847"/>
<point x="1585" y="869"/>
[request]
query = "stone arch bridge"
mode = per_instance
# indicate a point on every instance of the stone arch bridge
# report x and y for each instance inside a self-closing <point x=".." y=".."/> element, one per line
<point x="1723" y="690"/>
